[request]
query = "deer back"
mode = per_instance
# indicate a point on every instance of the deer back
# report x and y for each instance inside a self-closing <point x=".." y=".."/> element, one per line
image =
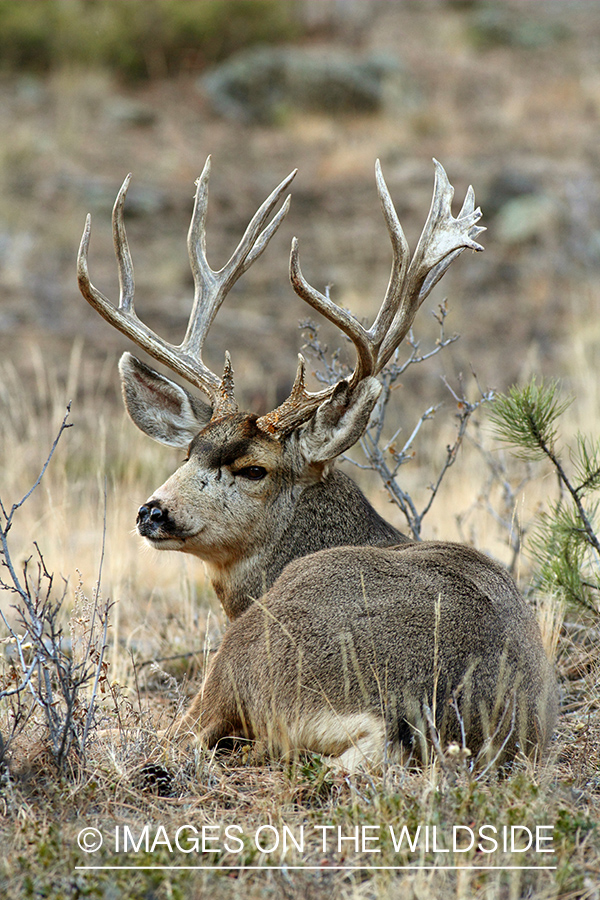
<point x="380" y="653"/>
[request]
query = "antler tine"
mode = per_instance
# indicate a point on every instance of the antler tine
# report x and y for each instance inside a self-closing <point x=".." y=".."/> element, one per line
<point x="401" y="257"/>
<point x="442" y="240"/>
<point x="121" y="245"/>
<point x="211" y="287"/>
<point x="340" y="317"/>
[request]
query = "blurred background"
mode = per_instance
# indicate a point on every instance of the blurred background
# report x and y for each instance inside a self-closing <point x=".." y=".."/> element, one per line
<point x="505" y="94"/>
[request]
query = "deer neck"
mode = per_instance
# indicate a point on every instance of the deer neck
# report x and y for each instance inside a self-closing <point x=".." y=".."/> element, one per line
<point x="332" y="513"/>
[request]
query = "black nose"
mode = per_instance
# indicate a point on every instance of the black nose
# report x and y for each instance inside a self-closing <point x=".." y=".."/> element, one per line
<point x="152" y="513"/>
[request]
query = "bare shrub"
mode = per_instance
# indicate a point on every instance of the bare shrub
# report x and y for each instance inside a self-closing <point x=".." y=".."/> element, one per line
<point x="50" y="681"/>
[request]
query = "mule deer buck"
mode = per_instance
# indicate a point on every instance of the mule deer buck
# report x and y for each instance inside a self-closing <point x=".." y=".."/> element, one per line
<point x="345" y="637"/>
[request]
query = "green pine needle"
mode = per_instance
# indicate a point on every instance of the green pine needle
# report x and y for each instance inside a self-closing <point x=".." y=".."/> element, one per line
<point x="585" y="459"/>
<point x="526" y="418"/>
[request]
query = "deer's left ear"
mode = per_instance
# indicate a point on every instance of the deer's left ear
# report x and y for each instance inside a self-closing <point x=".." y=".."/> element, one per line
<point x="339" y="422"/>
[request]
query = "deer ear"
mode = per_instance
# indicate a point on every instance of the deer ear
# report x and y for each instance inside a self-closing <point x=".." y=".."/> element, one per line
<point x="339" y="422"/>
<point x="162" y="409"/>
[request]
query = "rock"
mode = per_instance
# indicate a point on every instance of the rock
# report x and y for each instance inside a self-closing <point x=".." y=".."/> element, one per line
<point x="497" y="24"/>
<point x="129" y="112"/>
<point x="526" y="218"/>
<point x="508" y="184"/>
<point x="264" y="84"/>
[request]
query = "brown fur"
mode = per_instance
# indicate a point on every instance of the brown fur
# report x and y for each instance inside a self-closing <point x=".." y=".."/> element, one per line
<point x="394" y="632"/>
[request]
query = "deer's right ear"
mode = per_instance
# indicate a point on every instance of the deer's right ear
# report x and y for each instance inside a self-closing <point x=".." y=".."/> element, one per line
<point x="162" y="409"/>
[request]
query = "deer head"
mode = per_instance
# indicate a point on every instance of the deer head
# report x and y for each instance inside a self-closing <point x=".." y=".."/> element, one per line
<point x="244" y="476"/>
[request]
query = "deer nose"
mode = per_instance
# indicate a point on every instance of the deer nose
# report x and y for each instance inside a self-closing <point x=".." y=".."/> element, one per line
<point x="151" y="513"/>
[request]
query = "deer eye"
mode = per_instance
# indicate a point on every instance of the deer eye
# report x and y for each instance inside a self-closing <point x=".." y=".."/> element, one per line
<point x="253" y="473"/>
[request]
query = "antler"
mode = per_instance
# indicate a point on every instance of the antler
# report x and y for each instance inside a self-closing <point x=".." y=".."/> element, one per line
<point x="210" y="288"/>
<point x="442" y="240"/>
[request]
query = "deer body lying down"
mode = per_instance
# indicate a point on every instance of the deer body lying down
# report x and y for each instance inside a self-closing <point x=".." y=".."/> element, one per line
<point x="345" y="637"/>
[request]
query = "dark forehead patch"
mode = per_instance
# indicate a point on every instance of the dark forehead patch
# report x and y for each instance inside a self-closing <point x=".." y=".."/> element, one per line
<point x="227" y="439"/>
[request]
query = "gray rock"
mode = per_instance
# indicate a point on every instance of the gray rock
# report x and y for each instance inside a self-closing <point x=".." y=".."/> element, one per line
<point x="264" y="84"/>
<point x="526" y="218"/>
<point x="129" y="112"/>
<point x="500" y="24"/>
<point x="509" y="184"/>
